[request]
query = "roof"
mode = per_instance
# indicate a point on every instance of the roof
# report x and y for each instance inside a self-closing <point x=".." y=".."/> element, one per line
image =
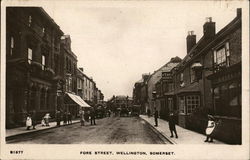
<point x="210" y="42"/>
<point x="194" y="87"/>
<point x="168" y="66"/>
<point x="140" y="81"/>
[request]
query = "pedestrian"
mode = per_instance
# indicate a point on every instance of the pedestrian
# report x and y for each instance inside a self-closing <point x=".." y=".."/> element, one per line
<point x="46" y="119"/>
<point x="148" y="112"/>
<point x="109" y="113"/>
<point x="210" y="128"/>
<point x="33" y="117"/>
<point x="86" y="115"/>
<point x="172" y="122"/>
<point x="156" y="116"/>
<point x="81" y="113"/>
<point x="58" y="118"/>
<point x="69" y="118"/>
<point x="28" y="122"/>
<point x="92" y="116"/>
<point x="65" y="118"/>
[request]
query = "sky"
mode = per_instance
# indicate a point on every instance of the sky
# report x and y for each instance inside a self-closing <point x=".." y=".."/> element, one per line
<point x="117" y="42"/>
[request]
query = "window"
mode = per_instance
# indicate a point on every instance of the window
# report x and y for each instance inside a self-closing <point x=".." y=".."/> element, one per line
<point x="30" y="20"/>
<point x="29" y="55"/>
<point x="221" y="57"/>
<point x="43" y="62"/>
<point x="192" y="75"/>
<point x="181" y="77"/>
<point x="182" y="104"/>
<point x="12" y="43"/>
<point x="192" y="103"/>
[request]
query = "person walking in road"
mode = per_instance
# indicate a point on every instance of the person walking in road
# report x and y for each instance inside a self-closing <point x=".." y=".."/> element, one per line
<point x="156" y="116"/>
<point x="58" y="118"/>
<point x="69" y="118"/>
<point x="28" y="122"/>
<point x="81" y="113"/>
<point x="34" y="121"/>
<point x="172" y="122"/>
<point x="92" y="116"/>
<point x="148" y="112"/>
<point x="65" y="118"/>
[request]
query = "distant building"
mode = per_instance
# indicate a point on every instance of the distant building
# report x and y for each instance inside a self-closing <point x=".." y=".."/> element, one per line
<point x="86" y="87"/>
<point x="33" y="71"/>
<point x="120" y="102"/>
<point x="164" y="96"/>
<point x="140" y="93"/>
<point x="153" y="79"/>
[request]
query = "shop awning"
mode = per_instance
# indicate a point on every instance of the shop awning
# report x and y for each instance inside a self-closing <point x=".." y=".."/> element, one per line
<point x="78" y="100"/>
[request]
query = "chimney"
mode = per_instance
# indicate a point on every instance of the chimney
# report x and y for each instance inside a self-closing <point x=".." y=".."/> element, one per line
<point x="81" y="69"/>
<point x="238" y="12"/>
<point x="209" y="28"/>
<point x="191" y="40"/>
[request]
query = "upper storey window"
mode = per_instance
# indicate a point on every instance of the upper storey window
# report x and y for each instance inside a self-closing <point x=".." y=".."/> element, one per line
<point x="222" y="57"/>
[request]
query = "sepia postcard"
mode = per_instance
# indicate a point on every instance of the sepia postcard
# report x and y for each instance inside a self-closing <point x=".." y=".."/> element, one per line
<point x="126" y="79"/>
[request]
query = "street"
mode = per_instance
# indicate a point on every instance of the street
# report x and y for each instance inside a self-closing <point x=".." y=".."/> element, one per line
<point x="109" y="130"/>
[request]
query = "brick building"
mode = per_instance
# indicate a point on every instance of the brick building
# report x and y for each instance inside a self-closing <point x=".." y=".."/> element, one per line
<point x="33" y="71"/>
<point x="208" y="80"/>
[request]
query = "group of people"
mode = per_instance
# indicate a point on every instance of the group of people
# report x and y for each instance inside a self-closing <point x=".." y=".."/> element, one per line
<point x="65" y="116"/>
<point x="172" y="122"/>
<point x="85" y="115"/>
<point x="31" y="121"/>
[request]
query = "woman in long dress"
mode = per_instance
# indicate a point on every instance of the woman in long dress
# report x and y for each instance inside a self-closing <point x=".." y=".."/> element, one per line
<point x="210" y="128"/>
<point x="28" y="122"/>
<point x="82" y="120"/>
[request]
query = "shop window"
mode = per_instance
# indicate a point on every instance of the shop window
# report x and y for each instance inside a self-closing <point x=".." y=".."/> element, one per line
<point x="233" y="95"/>
<point x="182" y="104"/>
<point x="30" y="55"/>
<point x="221" y="57"/>
<point x="192" y="103"/>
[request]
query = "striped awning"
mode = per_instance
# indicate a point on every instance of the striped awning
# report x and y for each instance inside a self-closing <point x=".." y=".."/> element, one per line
<point x="78" y="100"/>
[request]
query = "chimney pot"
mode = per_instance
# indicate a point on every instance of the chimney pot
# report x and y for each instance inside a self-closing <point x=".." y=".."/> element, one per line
<point x="209" y="28"/>
<point x="191" y="40"/>
<point x="238" y="12"/>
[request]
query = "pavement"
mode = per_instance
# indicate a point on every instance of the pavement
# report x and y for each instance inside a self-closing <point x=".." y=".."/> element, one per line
<point x="10" y="133"/>
<point x="185" y="136"/>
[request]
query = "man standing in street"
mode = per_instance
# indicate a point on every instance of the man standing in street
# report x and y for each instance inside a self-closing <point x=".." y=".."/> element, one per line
<point x="92" y="116"/>
<point x="156" y="115"/>
<point x="171" y="123"/>
<point x="58" y="118"/>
